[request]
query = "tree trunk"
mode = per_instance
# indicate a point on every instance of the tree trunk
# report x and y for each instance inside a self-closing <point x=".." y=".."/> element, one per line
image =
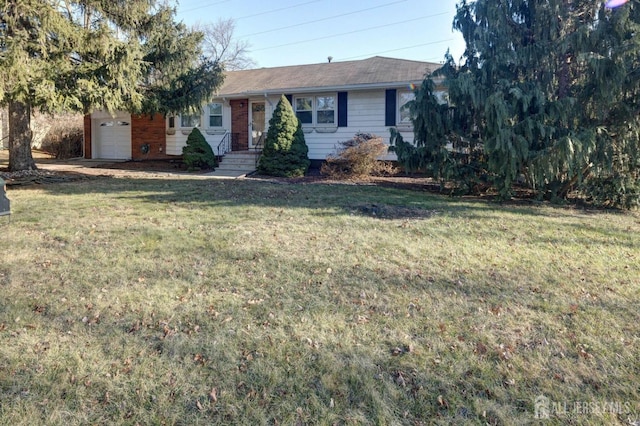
<point x="20" y="157"/>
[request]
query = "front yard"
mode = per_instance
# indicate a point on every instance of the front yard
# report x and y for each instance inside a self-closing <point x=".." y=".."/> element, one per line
<point x="190" y="301"/>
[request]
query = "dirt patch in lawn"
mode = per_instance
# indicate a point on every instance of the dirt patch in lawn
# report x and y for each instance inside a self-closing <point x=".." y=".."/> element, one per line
<point x="400" y="180"/>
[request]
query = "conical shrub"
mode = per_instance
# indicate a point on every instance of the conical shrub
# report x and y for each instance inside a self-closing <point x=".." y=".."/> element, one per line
<point x="197" y="154"/>
<point x="285" y="151"/>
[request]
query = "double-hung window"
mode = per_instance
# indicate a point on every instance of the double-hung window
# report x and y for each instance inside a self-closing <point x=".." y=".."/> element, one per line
<point x="325" y="109"/>
<point x="190" y="120"/>
<point x="404" y="114"/>
<point x="316" y="110"/>
<point x="304" y="109"/>
<point x="215" y="114"/>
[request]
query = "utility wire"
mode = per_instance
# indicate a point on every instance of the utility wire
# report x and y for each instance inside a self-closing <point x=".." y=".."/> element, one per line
<point x="323" y="19"/>
<point x="253" y="15"/>
<point x="351" y="32"/>
<point x="395" y="50"/>
<point x="276" y="10"/>
<point x="206" y="5"/>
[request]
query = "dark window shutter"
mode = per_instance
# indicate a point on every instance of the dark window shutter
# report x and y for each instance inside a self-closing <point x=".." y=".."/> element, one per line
<point x="390" y="107"/>
<point x="289" y="98"/>
<point x="342" y="109"/>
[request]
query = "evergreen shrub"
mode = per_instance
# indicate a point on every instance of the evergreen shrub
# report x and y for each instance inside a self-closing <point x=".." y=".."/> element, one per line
<point x="285" y="151"/>
<point x="197" y="154"/>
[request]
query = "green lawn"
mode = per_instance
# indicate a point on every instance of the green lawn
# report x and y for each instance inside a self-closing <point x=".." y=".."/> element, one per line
<point x="188" y="302"/>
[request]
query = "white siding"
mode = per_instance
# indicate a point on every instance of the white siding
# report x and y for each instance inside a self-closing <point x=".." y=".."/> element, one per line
<point x="365" y="113"/>
<point x="177" y="138"/>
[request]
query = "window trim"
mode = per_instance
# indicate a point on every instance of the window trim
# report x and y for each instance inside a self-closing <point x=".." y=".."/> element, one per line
<point x="210" y="114"/>
<point x="314" y="108"/>
<point x="334" y="110"/>
<point x="400" y="107"/>
<point x="199" y="115"/>
<point x="295" y="108"/>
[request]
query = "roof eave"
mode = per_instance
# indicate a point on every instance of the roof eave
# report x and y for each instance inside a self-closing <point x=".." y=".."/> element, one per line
<point x="318" y="89"/>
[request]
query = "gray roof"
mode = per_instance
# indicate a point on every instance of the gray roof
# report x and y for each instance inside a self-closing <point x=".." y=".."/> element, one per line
<point x="373" y="72"/>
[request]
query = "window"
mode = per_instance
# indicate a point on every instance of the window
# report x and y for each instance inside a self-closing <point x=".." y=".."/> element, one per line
<point x="325" y="109"/>
<point x="404" y="116"/>
<point x="215" y="114"/>
<point x="316" y="110"/>
<point x="114" y="123"/>
<point x="190" y="120"/>
<point x="304" y="110"/>
<point x="172" y="122"/>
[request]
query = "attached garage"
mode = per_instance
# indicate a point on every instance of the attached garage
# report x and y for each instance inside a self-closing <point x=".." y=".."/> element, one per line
<point x="124" y="136"/>
<point x="112" y="137"/>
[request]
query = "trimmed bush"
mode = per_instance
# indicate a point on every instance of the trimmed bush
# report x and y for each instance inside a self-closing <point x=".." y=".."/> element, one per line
<point x="357" y="158"/>
<point x="285" y="151"/>
<point x="197" y="154"/>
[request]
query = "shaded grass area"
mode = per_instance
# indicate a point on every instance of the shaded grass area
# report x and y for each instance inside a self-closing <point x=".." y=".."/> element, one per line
<point x="238" y="302"/>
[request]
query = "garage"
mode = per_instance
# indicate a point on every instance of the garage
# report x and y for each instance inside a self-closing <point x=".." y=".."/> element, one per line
<point x="112" y="137"/>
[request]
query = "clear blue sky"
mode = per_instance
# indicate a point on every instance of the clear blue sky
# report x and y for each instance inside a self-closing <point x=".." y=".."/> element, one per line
<point x="294" y="32"/>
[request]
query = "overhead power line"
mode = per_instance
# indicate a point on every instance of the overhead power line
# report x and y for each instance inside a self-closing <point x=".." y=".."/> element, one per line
<point x="395" y="50"/>
<point x="277" y="10"/>
<point x="351" y="32"/>
<point x="324" y="19"/>
<point x="204" y="6"/>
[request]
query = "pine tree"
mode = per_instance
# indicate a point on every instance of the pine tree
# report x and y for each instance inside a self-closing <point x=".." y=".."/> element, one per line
<point x="546" y="95"/>
<point x="285" y="150"/>
<point x="83" y="55"/>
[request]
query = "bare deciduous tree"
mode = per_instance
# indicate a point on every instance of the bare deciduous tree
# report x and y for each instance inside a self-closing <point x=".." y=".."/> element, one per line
<point x="218" y="44"/>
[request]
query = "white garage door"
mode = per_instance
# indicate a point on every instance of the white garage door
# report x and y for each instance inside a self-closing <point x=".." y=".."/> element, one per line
<point x="113" y="138"/>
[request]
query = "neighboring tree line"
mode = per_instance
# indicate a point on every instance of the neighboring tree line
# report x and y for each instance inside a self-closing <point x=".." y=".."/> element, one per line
<point x="547" y="97"/>
<point x="82" y="55"/>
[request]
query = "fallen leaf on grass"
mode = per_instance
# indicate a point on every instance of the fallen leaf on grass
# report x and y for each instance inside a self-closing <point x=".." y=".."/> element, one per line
<point x="442" y="402"/>
<point x="496" y="310"/>
<point x="480" y="349"/>
<point x="584" y="354"/>
<point x="213" y="395"/>
<point x="361" y="319"/>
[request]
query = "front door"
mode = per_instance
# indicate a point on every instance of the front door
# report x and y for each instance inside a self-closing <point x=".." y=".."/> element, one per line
<point x="256" y="123"/>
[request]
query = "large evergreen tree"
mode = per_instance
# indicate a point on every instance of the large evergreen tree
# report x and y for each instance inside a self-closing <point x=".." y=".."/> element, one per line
<point x="547" y="94"/>
<point x="82" y="55"/>
<point x="285" y="150"/>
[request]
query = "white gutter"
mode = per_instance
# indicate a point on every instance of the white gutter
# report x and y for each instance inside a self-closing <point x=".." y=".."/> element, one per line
<point x="319" y="89"/>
